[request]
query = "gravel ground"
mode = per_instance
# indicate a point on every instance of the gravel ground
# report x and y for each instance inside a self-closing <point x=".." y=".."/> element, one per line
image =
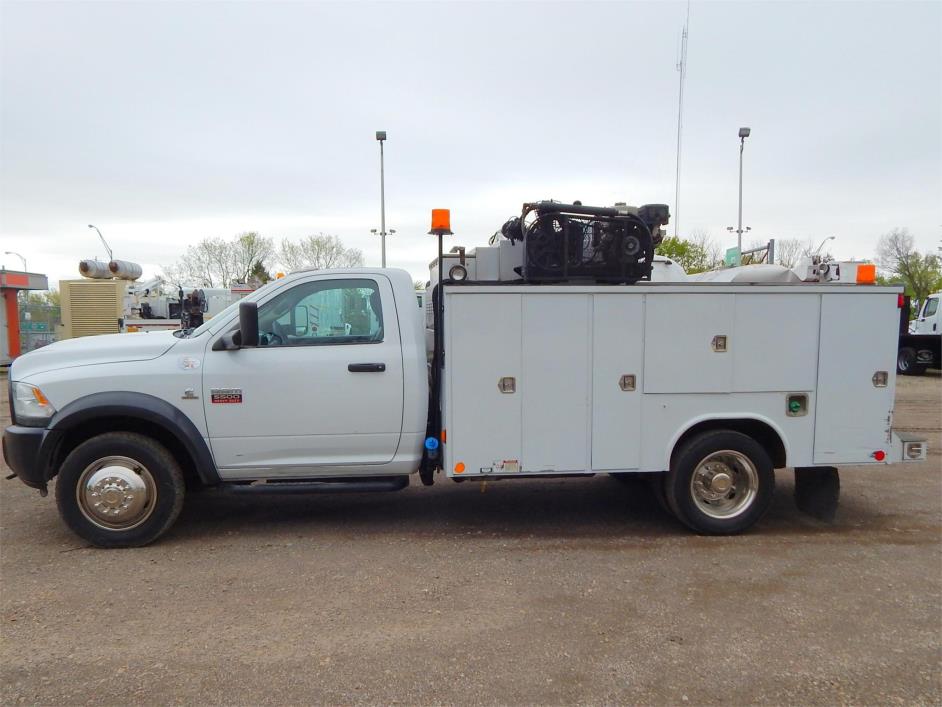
<point x="566" y="591"/>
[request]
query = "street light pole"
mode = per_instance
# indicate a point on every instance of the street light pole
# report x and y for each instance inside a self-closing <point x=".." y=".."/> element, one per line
<point x="829" y="238"/>
<point x="103" y="242"/>
<point x="10" y="252"/>
<point x="743" y="134"/>
<point x="381" y="137"/>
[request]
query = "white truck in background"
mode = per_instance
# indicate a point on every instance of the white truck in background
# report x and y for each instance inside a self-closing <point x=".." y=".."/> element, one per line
<point x="528" y="380"/>
<point x="920" y="340"/>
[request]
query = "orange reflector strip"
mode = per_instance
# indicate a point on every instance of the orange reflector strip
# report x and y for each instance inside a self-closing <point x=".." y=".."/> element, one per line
<point x="459" y="468"/>
<point x="40" y="398"/>
<point x="866" y="274"/>
<point x="444" y="436"/>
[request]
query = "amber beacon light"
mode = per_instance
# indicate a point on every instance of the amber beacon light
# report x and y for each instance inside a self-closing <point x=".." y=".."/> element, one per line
<point x="866" y="274"/>
<point x="441" y="222"/>
<point x="441" y="226"/>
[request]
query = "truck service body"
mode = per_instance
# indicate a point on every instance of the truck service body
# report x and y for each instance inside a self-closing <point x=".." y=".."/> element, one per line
<point x="320" y="382"/>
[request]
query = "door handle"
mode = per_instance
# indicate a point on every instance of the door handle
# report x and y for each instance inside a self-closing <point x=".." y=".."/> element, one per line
<point x="366" y="367"/>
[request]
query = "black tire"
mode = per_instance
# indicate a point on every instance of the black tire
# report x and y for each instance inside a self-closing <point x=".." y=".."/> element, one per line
<point x="120" y="459"/>
<point x="653" y="481"/>
<point x="656" y="484"/>
<point x="906" y="362"/>
<point x="745" y="462"/>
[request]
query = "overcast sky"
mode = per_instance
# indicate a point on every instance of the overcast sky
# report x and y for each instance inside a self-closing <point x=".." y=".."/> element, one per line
<point x="163" y="123"/>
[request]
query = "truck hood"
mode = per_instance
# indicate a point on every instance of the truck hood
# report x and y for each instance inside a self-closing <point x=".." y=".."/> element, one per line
<point x="89" y="350"/>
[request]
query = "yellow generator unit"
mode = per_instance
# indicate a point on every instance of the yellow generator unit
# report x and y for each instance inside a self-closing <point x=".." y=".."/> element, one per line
<point x="91" y="307"/>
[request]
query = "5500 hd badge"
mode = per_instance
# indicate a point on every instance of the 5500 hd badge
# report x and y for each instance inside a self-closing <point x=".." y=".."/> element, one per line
<point x="226" y="395"/>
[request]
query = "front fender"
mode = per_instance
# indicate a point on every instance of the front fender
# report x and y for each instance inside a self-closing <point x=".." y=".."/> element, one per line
<point x="134" y="406"/>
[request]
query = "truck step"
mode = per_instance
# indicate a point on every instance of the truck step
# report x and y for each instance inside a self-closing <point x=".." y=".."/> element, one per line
<point x="368" y="484"/>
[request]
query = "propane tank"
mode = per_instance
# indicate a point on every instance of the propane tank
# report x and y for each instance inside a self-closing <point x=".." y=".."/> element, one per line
<point x="124" y="270"/>
<point x="95" y="269"/>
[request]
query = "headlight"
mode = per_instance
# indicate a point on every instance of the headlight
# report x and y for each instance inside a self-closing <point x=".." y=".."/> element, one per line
<point x="30" y="406"/>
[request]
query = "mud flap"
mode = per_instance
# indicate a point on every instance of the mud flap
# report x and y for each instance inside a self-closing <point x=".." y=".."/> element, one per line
<point x="817" y="490"/>
<point x="427" y="470"/>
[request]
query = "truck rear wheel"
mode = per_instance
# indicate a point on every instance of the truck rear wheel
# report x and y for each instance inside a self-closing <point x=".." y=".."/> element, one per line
<point x="906" y="363"/>
<point x="120" y="489"/>
<point x="720" y="483"/>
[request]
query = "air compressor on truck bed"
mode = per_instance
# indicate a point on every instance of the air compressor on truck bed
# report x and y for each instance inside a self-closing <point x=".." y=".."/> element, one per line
<point x="553" y="353"/>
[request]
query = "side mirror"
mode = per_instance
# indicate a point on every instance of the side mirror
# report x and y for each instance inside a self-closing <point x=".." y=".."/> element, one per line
<point x="248" y="323"/>
<point x="300" y="320"/>
<point x="230" y="341"/>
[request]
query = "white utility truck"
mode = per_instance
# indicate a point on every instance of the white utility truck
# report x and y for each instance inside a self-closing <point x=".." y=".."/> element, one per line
<point x="321" y="382"/>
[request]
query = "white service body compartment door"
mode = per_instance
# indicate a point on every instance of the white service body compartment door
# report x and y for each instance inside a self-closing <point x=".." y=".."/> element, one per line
<point x="776" y="346"/>
<point x="858" y="338"/>
<point x="617" y="350"/>
<point x="679" y="332"/>
<point x="555" y="382"/>
<point x="483" y="334"/>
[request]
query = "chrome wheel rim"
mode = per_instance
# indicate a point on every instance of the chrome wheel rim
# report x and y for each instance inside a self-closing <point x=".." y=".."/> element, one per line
<point x="724" y="484"/>
<point x="116" y="493"/>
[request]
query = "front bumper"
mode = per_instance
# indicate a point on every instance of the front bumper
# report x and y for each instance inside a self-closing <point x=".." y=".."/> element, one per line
<point x="21" y="452"/>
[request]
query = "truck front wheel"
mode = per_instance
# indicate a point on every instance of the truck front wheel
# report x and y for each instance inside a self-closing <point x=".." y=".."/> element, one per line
<point x="120" y="489"/>
<point x="720" y="483"/>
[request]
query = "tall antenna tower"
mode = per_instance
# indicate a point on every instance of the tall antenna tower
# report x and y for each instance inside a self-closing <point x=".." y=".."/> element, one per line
<point x="682" y="70"/>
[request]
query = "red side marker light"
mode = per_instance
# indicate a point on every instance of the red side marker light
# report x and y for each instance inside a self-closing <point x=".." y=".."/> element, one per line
<point x="900" y="301"/>
<point x="879" y="455"/>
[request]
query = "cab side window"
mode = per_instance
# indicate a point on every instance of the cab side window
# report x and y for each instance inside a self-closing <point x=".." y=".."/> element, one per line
<point x="323" y="312"/>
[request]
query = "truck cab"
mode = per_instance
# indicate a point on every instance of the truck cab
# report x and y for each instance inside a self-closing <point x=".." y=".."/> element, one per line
<point x="928" y="320"/>
<point x="335" y="388"/>
<point x="920" y="343"/>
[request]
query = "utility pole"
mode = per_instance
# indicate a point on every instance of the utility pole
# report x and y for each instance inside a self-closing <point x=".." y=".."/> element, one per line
<point x="743" y="134"/>
<point x="682" y="69"/>
<point x="381" y="137"/>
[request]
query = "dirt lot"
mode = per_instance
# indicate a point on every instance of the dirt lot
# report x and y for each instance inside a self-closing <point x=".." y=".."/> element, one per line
<point x="566" y="591"/>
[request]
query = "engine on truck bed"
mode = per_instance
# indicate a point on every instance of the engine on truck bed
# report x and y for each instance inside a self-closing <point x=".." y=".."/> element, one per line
<point x="595" y="243"/>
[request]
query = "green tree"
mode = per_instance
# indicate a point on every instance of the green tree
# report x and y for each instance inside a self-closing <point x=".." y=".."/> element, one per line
<point x="48" y="298"/>
<point x="920" y="273"/>
<point x="260" y="273"/>
<point x="319" y="252"/>
<point x="788" y="251"/>
<point x="217" y="262"/>
<point x="698" y="254"/>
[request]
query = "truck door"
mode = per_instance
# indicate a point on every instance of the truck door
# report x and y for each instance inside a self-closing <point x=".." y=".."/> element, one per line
<point x="323" y="391"/>
<point x="928" y="321"/>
